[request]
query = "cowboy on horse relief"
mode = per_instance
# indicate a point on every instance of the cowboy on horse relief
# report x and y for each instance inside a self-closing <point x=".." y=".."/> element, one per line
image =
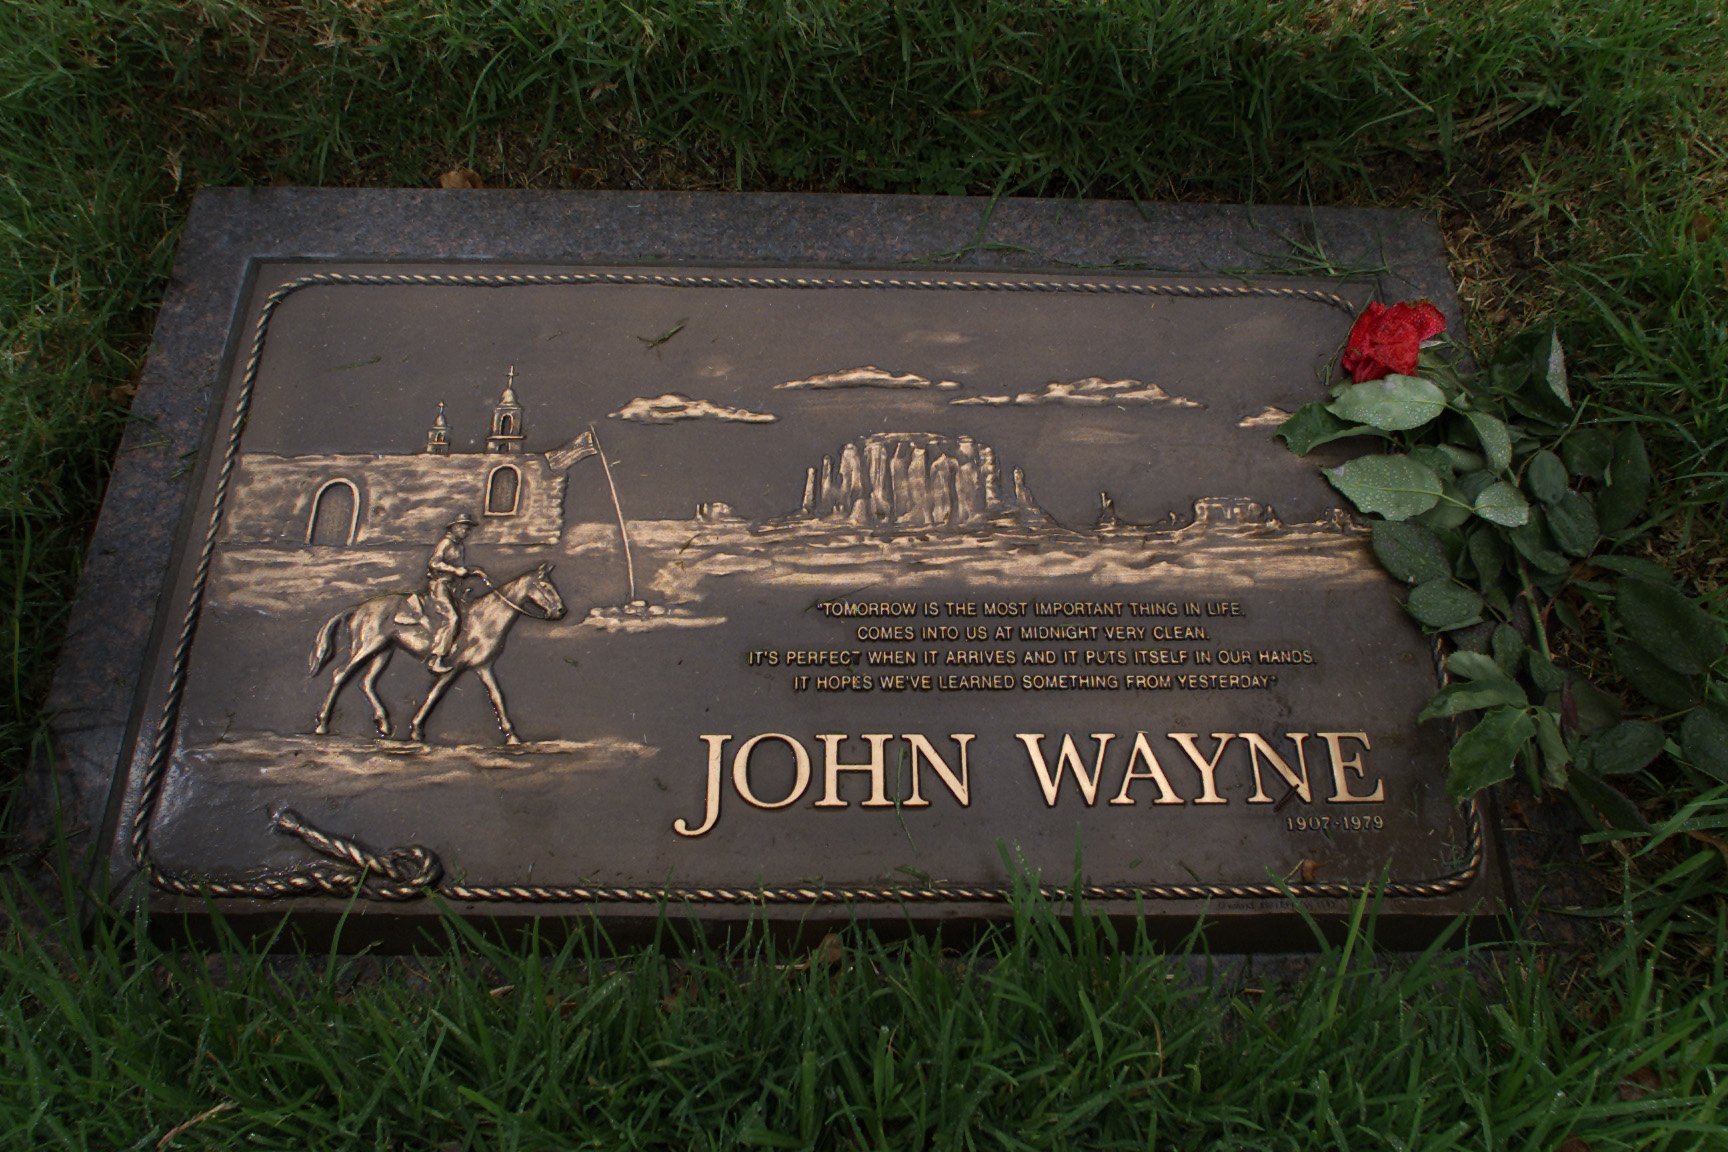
<point x="446" y="567"/>
<point x="475" y="636"/>
<point x="522" y="496"/>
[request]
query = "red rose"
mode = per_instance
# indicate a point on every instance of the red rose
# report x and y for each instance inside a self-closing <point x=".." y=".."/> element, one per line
<point x="1387" y="339"/>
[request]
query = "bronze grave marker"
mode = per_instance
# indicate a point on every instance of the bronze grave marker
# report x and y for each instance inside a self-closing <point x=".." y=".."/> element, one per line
<point x="803" y="590"/>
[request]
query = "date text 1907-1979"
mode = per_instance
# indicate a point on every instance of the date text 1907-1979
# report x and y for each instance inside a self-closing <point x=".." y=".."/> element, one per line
<point x="1112" y="761"/>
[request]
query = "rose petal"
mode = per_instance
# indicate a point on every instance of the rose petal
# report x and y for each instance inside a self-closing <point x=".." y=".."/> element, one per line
<point x="1430" y="321"/>
<point x="1388" y="338"/>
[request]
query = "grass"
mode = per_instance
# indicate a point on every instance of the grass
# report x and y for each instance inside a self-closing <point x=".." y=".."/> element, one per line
<point x="1574" y="156"/>
<point x="1048" y="1035"/>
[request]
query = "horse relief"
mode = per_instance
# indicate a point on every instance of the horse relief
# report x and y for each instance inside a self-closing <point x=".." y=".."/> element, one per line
<point x="377" y="627"/>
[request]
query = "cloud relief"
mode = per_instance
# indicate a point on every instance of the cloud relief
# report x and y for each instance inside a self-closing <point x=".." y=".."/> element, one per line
<point x="1092" y="391"/>
<point x="675" y="406"/>
<point x="869" y="376"/>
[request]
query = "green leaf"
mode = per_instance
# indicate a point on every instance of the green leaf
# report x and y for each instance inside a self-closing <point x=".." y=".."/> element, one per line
<point x="1568" y="618"/>
<point x="1472" y="696"/>
<point x="1635" y="566"/>
<point x="1473" y="640"/>
<point x="1550" y="585"/>
<point x="1555" y="756"/>
<point x="1430" y="456"/>
<point x="1312" y="425"/>
<point x="1653" y="679"/>
<point x="1450" y="513"/>
<point x="1542" y="415"/>
<point x="1572" y="523"/>
<point x="1486" y="754"/>
<point x="1461" y="459"/>
<point x="1444" y="603"/>
<point x="1627" y="488"/>
<point x="1495" y="438"/>
<point x="1592" y="708"/>
<point x="1487" y="554"/>
<point x="1508" y="648"/>
<point x="1606" y="803"/>
<point x="1393" y="404"/>
<point x="1664" y="622"/>
<point x="1519" y="373"/>
<point x="1627" y="747"/>
<point x="1543" y="673"/>
<point x="1549" y="366"/>
<point x="1531" y="541"/>
<point x="1510" y="368"/>
<point x="1475" y="666"/>
<point x="1473" y="484"/>
<point x="1436" y="361"/>
<point x="1410" y="552"/>
<point x="1395" y="487"/>
<point x="1502" y="504"/>
<point x="1588" y="452"/>
<point x="1704" y="740"/>
<point x="1546" y="477"/>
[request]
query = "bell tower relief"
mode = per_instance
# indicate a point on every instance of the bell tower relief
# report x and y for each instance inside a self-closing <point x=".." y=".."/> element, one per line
<point x="506" y="420"/>
<point x="438" y="436"/>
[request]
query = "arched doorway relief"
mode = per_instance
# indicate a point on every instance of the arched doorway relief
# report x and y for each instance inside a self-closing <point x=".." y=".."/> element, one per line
<point x="335" y="516"/>
<point x="503" y="490"/>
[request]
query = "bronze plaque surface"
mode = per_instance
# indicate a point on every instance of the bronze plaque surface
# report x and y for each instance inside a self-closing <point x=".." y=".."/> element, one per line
<point x="829" y="591"/>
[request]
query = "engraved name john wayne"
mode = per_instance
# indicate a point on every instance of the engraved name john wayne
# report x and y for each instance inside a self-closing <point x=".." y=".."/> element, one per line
<point x="1116" y="764"/>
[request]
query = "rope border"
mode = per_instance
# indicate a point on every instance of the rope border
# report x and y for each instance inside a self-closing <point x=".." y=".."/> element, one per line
<point x="413" y="872"/>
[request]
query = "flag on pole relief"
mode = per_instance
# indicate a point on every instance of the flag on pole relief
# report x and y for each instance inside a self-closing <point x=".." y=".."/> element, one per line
<point x="578" y="449"/>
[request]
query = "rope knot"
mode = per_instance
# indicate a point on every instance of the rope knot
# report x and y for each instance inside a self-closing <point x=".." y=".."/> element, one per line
<point x="403" y="873"/>
<point x="414" y="865"/>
